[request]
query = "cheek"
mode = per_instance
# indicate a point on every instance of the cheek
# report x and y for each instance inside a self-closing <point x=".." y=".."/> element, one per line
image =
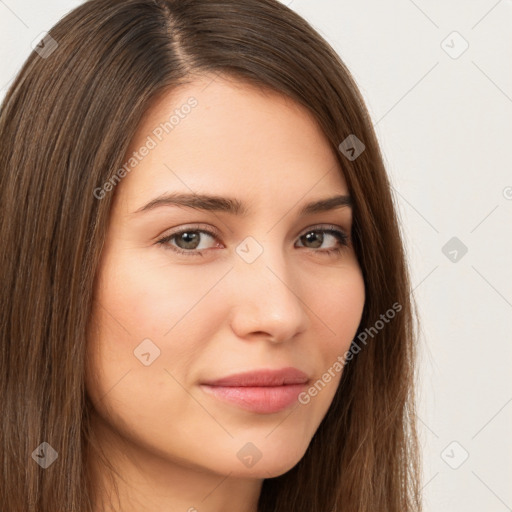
<point x="135" y="303"/>
<point x="144" y="402"/>
<point x="151" y="299"/>
<point x="340" y="302"/>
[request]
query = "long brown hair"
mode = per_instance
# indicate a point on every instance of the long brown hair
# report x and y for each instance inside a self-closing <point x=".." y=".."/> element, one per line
<point x="65" y="125"/>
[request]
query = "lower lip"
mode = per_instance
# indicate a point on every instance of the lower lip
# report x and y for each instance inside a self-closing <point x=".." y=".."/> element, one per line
<point x="262" y="400"/>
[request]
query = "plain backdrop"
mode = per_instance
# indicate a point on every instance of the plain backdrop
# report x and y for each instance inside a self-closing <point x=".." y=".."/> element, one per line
<point x="437" y="79"/>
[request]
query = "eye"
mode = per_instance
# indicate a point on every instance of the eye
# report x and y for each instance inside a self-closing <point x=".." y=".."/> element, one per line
<point x="188" y="241"/>
<point x="317" y="237"/>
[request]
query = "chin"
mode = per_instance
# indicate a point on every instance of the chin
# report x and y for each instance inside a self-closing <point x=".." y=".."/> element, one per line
<point x="274" y="462"/>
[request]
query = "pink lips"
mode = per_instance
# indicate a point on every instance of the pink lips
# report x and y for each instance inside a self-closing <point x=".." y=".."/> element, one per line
<point x="263" y="391"/>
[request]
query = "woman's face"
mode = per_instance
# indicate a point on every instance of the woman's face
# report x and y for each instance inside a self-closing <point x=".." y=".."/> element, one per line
<point x="253" y="286"/>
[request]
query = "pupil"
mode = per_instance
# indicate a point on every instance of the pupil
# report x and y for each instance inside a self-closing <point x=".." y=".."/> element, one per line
<point x="310" y="237"/>
<point x="189" y="238"/>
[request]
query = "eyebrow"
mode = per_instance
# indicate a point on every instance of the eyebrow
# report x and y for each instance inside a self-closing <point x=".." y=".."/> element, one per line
<point x="213" y="203"/>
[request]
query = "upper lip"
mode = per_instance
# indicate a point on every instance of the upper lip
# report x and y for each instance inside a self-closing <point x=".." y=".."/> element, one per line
<point x="263" y="378"/>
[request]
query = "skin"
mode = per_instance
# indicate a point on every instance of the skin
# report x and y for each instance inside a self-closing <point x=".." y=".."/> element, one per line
<point x="213" y="315"/>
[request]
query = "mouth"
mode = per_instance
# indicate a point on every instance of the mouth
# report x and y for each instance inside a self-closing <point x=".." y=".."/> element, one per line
<point x="262" y="391"/>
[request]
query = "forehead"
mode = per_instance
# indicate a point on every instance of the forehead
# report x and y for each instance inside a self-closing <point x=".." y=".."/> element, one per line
<point x="223" y="136"/>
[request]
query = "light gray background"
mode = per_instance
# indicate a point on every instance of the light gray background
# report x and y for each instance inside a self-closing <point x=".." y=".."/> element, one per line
<point x="445" y="126"/>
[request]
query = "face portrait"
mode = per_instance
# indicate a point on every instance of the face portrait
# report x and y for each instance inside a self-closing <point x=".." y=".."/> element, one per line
<point x="258" y="278"/>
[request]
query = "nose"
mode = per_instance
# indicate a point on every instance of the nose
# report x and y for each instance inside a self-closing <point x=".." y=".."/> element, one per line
<point x="267" y="302"/>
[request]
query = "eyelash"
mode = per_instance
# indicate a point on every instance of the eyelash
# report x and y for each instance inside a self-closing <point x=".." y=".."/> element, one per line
<point x="331" y="230"/>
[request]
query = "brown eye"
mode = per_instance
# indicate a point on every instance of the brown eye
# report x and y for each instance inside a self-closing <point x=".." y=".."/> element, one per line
<point x="315" y="238"/>
<point x="186" y="241"/>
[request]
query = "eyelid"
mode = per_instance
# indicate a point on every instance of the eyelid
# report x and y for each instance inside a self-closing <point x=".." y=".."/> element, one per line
<point x="326" y="227"/>
<point x="207" y="228"/>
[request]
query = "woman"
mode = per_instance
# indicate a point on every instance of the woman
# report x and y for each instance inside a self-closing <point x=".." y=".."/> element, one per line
<point x="205" y="304"/>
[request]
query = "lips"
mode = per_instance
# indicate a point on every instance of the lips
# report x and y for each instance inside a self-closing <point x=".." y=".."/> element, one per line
<point x="262" y="391"/>
<point x="259" y="378"/>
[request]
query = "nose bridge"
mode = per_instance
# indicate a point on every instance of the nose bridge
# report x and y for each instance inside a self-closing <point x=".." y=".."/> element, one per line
<point x="267" y="291"/>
